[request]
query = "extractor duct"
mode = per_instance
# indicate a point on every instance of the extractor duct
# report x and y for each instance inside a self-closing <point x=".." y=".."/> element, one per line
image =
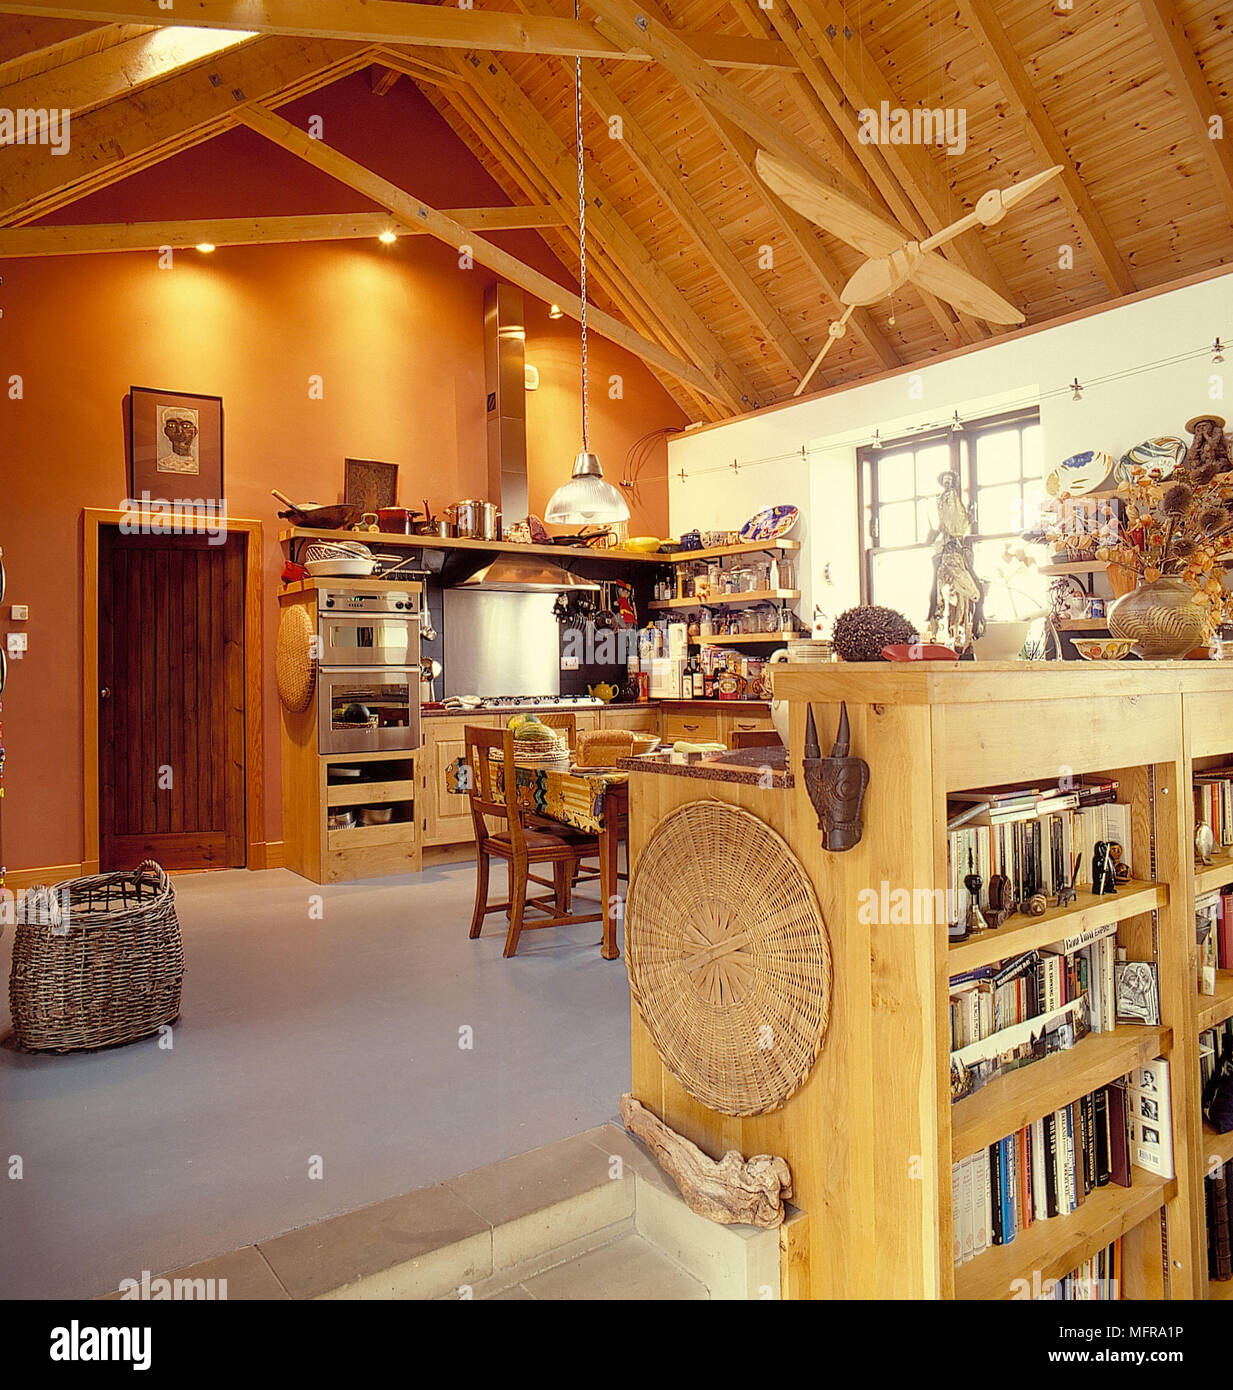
<point x="505" y="379"/>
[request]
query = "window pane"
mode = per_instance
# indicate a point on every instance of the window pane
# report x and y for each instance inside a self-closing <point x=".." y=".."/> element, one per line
<point x="930" y="461"/>
<point x="897" y="524"/>
<point x="926" y="518"/>
<point x="997" y="457"/>
<point x="1000" y="509"/>
<point x="903" y="581"/>
<point x="1033" y="466"/>
<point x="1011" y="590"/>
<point x="895" y="477"/>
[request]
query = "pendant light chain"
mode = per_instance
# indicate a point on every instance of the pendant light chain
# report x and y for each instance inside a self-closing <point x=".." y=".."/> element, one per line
<point x="582" y="232"/>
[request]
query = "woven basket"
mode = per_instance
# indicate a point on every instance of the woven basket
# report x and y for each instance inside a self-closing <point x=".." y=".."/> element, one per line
<point x="97" y="961"/>
<point x="728" y="958"/>
<point x="294" y="667"/>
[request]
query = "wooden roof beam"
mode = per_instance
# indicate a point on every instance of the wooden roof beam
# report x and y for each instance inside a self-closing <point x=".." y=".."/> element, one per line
<point x="982" y="19"/>
<point x="619" y="240"/>
<point x="730" y="111"/>
<point x="671" y="187"/>
<point x="90" y="82"/>
<point x="92" y="238"/>
<point x="415" y="213"/>
<point x="394" y="22"/>
<point x="118" y="139"/>
<point x="1193" y="92"/>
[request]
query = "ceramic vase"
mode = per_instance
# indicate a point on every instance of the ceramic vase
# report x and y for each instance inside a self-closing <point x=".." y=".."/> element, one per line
<point x="1160" y="618"/>
<point x="1001" y="641"/>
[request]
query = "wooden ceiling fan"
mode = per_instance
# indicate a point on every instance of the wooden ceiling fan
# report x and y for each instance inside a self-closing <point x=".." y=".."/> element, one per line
<point x="894" y="257"/>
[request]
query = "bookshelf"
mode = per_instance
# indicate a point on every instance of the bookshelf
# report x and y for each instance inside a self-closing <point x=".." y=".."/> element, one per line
<point x="871" y="1134"/>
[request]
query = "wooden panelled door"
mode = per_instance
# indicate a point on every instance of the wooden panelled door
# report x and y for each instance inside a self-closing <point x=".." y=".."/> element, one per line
<point x="171" y="701"/>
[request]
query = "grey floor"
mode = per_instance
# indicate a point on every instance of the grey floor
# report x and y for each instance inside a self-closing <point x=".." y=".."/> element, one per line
<point x="334" y="1038"/>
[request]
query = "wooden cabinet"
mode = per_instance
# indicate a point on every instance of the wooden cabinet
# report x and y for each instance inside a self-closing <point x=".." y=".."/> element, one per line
<point x="639" y="721"/>
<point x="730" y="724"/>
<point x="446" y="816"/>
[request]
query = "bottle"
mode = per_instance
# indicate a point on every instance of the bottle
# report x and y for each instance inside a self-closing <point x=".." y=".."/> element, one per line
<point x="699" y="685"/>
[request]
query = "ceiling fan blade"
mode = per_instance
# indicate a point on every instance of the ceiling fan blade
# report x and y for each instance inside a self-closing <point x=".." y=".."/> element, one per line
<point x="830" y="210"/>
<point x="1018" y="191"/>
<point x="964" y="291"/>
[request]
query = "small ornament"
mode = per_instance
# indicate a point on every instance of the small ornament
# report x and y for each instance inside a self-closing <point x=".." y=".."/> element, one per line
<point x="972" y="881"/>
<point x="1036" y="905"/>
<point x="1066" y="893"/>
<point x="1103" y="878"/>
<point x="1001" y="900"/>
<point x="1121" y="870"/>
<point x="836" y="785"/>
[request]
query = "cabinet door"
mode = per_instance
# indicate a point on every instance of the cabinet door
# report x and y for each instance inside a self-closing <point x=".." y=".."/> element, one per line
<point x="447" y="816"/>
<point x="746" y="723"/>
<point x="639" y="721"/>
<point x="586" y="720"/>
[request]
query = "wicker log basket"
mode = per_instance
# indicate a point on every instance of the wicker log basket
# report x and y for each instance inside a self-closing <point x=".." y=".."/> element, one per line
<point x="97" y="961"/>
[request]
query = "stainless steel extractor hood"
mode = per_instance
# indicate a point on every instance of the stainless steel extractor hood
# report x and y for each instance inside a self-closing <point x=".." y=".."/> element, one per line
<point x="525" y="574"/>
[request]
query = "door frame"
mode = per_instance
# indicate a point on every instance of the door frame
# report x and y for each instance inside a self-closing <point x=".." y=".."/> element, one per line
<point x="93" y="520"/>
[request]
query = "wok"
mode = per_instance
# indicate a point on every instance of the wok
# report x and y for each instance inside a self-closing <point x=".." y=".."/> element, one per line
<point x="333" y="518"/>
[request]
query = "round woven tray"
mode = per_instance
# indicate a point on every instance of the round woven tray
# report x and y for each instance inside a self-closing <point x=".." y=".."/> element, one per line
<point x="294" y="667"/>
<point x="729" y="962"/>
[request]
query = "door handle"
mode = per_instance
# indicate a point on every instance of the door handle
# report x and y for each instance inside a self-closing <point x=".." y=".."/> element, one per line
<point x="105" y="693"/>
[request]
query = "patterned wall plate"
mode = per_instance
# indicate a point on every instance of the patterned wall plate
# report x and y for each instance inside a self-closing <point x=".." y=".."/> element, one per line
<point x="1079" y="474"/>
<point x="1160" y="456"/>
<point x="770" y="524"/>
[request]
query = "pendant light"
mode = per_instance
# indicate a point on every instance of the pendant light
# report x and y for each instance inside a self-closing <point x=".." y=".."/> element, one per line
<point x="586" y="498"/>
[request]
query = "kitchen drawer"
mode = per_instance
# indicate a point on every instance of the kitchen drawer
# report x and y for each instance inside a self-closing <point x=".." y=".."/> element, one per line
<point x="745" y="723"/>
<point x="640" y="721"/>
<point x="586" y="720"/>
<point x="702" y="727"/>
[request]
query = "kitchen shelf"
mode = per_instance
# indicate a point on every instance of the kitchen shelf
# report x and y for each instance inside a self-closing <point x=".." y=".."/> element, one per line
<point x="1216" y="1146"/>
<point x="1053" y="1247"/>
<point x="680" y="557"/>
<point x="729" y="600"/>
<point x="1019" y="1097"/>
<point x="740" y="638"/>
<point x="1074" y="567"/>
<point x="1215" y="1008"/>
<point x="1216" y="874"/>
<point x="1021" y="933"/>
<point x="1083" y="624"/>
<point x="397" y="538"/>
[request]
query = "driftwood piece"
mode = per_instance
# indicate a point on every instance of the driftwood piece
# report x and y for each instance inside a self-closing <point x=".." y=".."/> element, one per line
<point x="733" y="1190"/>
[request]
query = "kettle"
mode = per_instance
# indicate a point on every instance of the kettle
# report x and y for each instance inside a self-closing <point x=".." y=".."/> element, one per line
<point x="604" y="691"/>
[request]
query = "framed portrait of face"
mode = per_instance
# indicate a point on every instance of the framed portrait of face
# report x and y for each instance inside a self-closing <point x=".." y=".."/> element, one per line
<point x="175" y="450"/>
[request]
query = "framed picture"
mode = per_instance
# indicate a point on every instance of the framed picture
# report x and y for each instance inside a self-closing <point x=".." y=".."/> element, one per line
<point x="175" y="449"/>
<point x="371" y="484"/>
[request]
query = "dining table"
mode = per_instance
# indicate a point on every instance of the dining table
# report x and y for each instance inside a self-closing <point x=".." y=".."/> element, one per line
<point x="593" y="800"/>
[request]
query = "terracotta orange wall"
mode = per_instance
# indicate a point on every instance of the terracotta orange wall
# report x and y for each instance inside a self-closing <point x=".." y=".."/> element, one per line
<point x="395" y="333"/>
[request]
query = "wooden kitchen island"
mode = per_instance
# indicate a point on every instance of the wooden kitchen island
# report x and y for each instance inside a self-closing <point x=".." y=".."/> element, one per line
<point x="871" y="1134"/>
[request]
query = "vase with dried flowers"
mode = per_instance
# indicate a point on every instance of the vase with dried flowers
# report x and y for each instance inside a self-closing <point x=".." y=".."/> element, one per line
<point x="1176" y="535"/>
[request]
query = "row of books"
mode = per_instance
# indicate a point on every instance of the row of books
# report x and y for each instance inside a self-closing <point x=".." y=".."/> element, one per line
<point x="1038" y="850"/>
<point x="1214" y="1044"/>
<point x="1049" y="1168"/>
<point x="985" y="1001"/>
<point x="1218" y="1191"/>
<point x="1214" y="928"/>
<point x="1098" y="1279"/>
<point x="1213" y="802"/>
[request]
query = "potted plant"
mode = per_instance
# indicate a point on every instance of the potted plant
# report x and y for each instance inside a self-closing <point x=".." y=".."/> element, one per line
<point x="1004" y="637"/>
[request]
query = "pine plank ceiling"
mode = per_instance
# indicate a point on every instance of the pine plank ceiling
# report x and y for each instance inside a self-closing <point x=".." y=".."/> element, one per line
<point x="688" y="250"/>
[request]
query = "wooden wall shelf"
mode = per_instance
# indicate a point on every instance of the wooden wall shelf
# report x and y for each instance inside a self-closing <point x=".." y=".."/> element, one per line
<point x="1074" y="567"/>
<point x="1215" y="1008"/>
<point x="730" y="600"/>
<point x="741" y="638"/>
<point x="1216" y="874"/>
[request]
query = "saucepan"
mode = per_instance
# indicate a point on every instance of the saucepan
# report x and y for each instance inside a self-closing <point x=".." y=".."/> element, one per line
<point x="313" y="514"/>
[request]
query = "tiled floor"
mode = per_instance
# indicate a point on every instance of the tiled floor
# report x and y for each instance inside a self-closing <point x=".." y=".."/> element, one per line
<point x="322" y="1063"/>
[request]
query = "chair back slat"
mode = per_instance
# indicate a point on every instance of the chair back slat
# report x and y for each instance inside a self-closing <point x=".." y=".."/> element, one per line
<point x="485" y="799"/>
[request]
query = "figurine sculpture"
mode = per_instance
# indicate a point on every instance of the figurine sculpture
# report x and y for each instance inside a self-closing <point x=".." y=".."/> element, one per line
<point x="973" y="882"/>
<point x="1066" y="894"/>
<point x="957" y="599"/>
<point x="1103" y="875"/>
<point x="1209" y="449"/>
<point x="1001" y="900"/>
<point x="836" y="785"/>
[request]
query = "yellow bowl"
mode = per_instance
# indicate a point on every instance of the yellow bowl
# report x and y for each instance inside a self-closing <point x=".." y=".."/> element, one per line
<point x="1103" y="648"/>
<point x="643" y="545"/>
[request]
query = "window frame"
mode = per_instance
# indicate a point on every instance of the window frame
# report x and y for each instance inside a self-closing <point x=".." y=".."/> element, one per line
<point x="962" y="444"/>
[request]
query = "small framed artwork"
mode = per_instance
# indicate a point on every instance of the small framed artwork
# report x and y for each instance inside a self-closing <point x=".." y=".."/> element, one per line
<point x="175" y="450"/>
<point x="1136" y="992"/>
<point x="370" y="485"/>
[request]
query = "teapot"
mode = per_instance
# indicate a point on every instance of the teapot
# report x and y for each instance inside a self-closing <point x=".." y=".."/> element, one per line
<point x="605" y="691"/>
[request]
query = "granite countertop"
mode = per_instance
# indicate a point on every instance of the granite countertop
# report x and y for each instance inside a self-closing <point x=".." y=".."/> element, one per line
<point x="766" y="767"/>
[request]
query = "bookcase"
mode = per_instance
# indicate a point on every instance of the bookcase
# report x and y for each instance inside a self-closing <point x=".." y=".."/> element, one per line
<point x="872" y="1133"/>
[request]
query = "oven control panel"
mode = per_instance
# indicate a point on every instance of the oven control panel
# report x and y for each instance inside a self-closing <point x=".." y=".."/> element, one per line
<point x="351" y="601"/>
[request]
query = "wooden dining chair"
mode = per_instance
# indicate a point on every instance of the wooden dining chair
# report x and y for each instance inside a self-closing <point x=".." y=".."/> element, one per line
<point x="562" y="719"/>
<point x="521" y="845"/>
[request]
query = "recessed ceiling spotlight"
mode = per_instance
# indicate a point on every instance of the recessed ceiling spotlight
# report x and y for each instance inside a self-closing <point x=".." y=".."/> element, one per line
<point x="206" y="246"/>
<point x="554" y="312"/>
<point x="387" y="237"/>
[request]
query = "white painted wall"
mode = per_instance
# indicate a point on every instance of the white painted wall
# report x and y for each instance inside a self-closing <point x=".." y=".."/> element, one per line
<point x="1161" y="344"/>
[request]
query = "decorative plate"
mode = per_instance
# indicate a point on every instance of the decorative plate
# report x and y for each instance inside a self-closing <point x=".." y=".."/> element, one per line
<point x="1159" y="456"/>
<point x="1080" y="473"/>
<point x="770" y="524"/>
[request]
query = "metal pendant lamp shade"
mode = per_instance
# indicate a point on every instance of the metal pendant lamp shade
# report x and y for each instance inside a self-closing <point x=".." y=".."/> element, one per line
<point x="586" y="498"/>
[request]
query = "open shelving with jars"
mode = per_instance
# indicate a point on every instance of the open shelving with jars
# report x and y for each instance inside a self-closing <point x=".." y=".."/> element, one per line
<point x="872" y="1134"/>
